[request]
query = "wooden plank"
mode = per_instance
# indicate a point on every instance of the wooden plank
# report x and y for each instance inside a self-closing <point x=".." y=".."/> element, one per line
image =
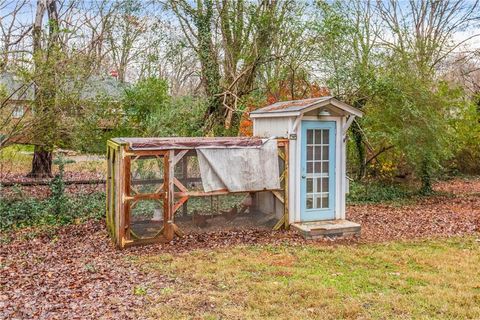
<point x="179" y="156"/>
<point x="279" y="223"/>
<point x="170" y="195"/>
<point x="125" y="236"/>
<point x="146" y="196"/>
<point x="279" y="196"/>
<point x="285" y="187"/>
<point x="201" y="193"/>
<point x="178" y="231"/>
<point x="179" y="203"/>
<point x="144" y="153"/>
<point x="131" y="243"/>
<point x="179" y="185"/>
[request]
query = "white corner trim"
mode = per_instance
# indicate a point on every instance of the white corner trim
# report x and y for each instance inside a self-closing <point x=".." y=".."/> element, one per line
<point x="347" y="125"/>
<point x="293" y="128"/>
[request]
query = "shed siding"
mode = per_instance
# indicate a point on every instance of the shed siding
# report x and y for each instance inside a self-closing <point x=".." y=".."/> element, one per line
<point x="268" y="127"/>
<point x="280" y="126"/>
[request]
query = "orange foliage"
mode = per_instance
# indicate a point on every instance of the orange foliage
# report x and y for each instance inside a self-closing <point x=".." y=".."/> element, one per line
<point x="303" y="90"/>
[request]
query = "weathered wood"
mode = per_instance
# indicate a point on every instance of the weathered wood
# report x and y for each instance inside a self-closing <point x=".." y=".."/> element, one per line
<point x="49" y="181"/>
<point x="179" y="185"/>
<point x="279" y="223"/>
<point x="144" y="153"/>
<point x="178" y="231"/>
<point x="179" y="156"/>
<point x="172" y="200"/>
<point x="125" y="236"/>
<point x="179" y="203"/>
<point x="279" y="196"/>
<point x="170" y="195"/>
<point x="285" y="186"/>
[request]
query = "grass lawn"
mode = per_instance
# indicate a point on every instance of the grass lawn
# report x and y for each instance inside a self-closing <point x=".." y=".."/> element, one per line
<point x="396" y="280"/>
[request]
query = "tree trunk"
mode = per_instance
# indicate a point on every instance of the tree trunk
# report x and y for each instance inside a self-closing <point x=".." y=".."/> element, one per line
<point x="41" y="163"/>
<point x="360" y="148"/>
<point x="426" y="177"/>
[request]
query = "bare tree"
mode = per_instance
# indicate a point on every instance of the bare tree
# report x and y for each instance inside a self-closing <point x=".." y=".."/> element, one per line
<point x="425" y="29"/>
<point x="13" y="31"/>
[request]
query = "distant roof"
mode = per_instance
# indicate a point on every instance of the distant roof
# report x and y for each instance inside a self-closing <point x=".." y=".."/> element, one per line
<point x="190" y="142"/>
<point x="15" y="87"/>
<point x="96" y="87"/>
<point x="297" y="107"/>
<point x="91" y="89"/>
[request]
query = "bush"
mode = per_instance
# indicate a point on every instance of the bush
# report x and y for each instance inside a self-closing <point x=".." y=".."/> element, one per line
<point x="377" y="192"/>
<point x="24" y="212"/>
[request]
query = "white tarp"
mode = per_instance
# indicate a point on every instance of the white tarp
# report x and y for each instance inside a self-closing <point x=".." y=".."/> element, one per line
<point x="240" y="169"/>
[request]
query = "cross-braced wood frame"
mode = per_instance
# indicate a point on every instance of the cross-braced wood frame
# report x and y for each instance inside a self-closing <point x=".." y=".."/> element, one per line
<point x="123" y="196"/>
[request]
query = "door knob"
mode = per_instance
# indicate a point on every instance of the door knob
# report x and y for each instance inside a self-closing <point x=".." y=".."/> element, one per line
<point x="303" y="176"/>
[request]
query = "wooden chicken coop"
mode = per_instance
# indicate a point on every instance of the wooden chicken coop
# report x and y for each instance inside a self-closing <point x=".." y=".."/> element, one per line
<point x="159" y="188"/>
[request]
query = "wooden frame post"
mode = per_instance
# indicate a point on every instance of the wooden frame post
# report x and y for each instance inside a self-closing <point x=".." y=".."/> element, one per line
<point x="169" y="200"/>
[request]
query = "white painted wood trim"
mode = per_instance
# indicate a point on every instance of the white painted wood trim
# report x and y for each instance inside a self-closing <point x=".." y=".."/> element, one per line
<point x="274" y="114"/>
<point x="339" y="168"/>
<point x="332" y="101"/>
<point x="347" y="125"/>
<point x="343" y="175"/>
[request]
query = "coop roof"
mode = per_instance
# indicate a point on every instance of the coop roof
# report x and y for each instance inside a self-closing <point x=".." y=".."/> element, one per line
<point x="298" y="107"/>
<point x="190" y="142"/>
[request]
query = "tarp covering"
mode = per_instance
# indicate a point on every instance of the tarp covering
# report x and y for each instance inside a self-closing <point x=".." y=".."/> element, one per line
<point x="240" y="169"/>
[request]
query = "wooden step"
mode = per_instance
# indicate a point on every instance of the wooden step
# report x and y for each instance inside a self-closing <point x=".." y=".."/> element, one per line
<point x="327" y="228"/>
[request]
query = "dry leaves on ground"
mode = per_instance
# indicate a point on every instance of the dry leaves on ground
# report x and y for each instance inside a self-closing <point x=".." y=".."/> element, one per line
<point x="77" y="274"/>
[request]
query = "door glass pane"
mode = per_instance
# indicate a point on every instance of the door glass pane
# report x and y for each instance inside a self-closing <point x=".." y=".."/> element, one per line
<point x="318" y="153"/>
<point x="318" y="202"/>
<point x="318" y="137"/>
<point x="325" y="185"/>
<point x="317" y="169"/>
<point x="309" y="136"/>
<point x="325" y="202"/>
<point x="319" y="185"/>
<point x="309" y="153"/>
<point x="326" y="135"/>
<point x="309" y="202"/>
<point x="325" y="153"/>
<point x="309" y="185"/>
<point x="309" y="167"/>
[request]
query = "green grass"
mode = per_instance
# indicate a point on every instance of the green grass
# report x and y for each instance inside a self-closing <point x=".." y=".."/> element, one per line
<point x="423" y="280"/>
<point x="15" y="157"/>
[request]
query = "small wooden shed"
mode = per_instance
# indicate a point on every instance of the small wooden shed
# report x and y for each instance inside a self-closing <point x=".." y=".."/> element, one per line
<point x="316" y="129"/>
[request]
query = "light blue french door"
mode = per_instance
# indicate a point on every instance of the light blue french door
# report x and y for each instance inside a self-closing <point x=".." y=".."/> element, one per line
<point x="317" y="190"/>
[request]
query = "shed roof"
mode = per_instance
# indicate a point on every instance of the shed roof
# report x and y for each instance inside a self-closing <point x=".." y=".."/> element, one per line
<point x="298" y="107"/>
<point x="190" y="142"/>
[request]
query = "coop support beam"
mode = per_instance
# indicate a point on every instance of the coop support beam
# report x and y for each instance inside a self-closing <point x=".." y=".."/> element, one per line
<point x="347" y="125"/>
<point x="285" y="187"/>
<point x="179" y="157"/>
<point x="282" y="195"/>
<point x="125" y="230"/>
<point x="169" y="196"/>
<point x="294" y="127"/>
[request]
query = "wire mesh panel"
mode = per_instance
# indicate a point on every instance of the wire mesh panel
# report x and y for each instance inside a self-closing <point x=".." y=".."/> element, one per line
<point x="146" y="219"/>
<point x="234" y="211"/>
<point x="147" y="173"/>
<point x="159" y="193"/>
<point x="197" y="211"/>
<point x="146" y="197"/>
